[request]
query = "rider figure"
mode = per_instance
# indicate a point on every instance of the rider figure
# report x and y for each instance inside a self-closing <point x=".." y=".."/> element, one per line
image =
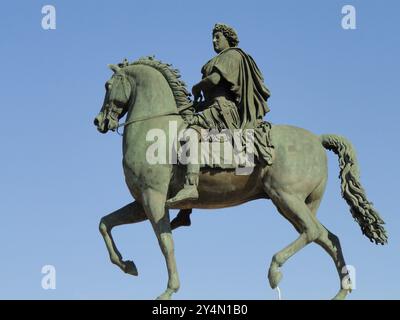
<point x="232" y="95"/>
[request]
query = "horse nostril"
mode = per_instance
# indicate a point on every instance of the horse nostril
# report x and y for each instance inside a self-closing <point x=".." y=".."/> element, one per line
<point x="96" y="122"/>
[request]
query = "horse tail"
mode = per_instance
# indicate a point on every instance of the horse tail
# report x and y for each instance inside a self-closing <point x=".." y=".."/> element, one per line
<point x="361" y="209"/>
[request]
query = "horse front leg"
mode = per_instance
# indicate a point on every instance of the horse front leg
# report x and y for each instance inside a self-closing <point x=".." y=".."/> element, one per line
<point x="154" y="204"/>
<point x="131" y="213"/>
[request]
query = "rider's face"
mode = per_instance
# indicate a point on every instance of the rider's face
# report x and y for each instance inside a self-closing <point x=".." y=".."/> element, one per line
<point x="220" y="42"/>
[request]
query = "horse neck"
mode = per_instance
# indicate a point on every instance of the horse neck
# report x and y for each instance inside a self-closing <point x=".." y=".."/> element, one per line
<point x="151" y="98"/>
<point x="152" y="95"/>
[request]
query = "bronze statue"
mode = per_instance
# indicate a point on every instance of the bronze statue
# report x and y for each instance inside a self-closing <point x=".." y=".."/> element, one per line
<point x="294" y="178"/>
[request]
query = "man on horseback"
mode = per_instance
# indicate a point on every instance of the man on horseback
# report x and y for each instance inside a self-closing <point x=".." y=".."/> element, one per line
<point x="230" y="96"/>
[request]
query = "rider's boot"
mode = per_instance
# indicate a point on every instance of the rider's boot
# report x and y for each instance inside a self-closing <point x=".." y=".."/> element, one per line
<point x="189" y="191"/>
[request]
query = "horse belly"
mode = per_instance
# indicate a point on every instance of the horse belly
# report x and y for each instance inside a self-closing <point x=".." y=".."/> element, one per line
<point x="222" y="188"/>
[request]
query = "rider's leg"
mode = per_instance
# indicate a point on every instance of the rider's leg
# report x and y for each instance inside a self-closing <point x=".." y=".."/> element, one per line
<point x="189" y="191"/>
<point x="192" y="175"/>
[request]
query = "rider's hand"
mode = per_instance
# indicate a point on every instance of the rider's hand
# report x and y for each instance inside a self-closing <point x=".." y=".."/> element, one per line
<point x="196" y="91"/>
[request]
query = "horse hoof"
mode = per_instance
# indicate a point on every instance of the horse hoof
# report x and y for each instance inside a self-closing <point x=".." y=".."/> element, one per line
<point x="166" y="295"/>
<point x="274" y="277"/>
<point x="130" y="268"/>
<point x="341" y="295"/>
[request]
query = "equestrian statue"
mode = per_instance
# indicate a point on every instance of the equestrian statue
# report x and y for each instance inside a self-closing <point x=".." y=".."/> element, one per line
<point x="289" y="168"/>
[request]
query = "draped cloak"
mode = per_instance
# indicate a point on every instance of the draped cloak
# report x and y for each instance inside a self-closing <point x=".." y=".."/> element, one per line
<point x="244" y="100"/>
<point x="245" y="83"/>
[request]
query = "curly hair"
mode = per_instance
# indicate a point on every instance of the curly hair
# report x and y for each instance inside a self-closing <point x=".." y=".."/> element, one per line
<point x="229" y="33"/>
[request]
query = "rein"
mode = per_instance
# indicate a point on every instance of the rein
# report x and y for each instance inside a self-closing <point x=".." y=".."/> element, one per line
<point x="125" y="124"/>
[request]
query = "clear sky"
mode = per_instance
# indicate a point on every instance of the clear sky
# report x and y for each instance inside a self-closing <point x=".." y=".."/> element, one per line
<point x="59" y="176"/>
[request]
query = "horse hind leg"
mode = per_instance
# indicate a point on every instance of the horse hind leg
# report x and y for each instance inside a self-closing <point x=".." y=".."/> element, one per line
<point x="293" y="208"/>
<point x="331" y="244"/>
<point x="131" y="213"/>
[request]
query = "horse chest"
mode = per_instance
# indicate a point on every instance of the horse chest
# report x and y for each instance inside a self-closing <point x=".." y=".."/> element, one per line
<point x="140" y="175"/>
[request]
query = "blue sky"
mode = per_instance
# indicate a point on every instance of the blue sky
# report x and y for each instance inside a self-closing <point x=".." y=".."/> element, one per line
<point x="59" y="176"/>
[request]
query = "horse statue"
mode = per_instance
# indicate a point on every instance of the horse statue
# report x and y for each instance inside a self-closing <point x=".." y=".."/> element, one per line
<point x="151" y="94"/>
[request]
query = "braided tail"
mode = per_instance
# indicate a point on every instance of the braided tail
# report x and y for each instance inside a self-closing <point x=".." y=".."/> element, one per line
<point x="361" y="209"/>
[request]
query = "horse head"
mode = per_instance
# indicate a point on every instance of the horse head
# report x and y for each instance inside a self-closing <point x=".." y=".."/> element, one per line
<point x="116" y="101"/>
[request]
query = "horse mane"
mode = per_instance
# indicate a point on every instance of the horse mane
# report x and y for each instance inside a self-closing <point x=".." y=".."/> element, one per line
<point x="178" y="87"/>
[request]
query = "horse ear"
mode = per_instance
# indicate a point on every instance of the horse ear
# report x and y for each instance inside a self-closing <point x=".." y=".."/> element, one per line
<point x="114" y="68"/>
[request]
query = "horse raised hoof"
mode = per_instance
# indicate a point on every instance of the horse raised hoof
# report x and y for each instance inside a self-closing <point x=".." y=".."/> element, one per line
<point x="130" y="268"/>
<point x="274" y="276"/>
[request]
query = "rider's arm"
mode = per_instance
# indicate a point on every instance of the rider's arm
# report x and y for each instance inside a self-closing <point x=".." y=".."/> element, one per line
<point x="212" y="80"/>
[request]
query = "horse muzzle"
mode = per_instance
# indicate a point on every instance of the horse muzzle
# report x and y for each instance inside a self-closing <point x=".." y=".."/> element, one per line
<point x="105" y="123"/>
<point x="101" y="123"/>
